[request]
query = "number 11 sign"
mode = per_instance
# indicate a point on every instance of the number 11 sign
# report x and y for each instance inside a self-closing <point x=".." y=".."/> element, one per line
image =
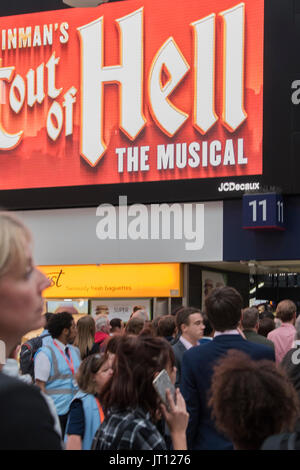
<point x="263" y="211"/>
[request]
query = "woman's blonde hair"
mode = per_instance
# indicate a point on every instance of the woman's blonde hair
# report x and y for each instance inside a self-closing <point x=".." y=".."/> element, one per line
<point x="13" y="237"/>
<point x="87" y="369"/>
<point x="85" y="335"/>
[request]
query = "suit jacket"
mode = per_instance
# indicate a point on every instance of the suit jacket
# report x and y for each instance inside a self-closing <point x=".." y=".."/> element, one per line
<point x="179" y="349"/>
<point x="26" y="422"/>
<point x="196" y="374"/>
<point x="259" y="339"/>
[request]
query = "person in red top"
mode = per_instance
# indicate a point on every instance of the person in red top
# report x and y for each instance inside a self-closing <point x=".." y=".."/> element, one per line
<point x="102" y="330"/>
<point x="284" y="335"/>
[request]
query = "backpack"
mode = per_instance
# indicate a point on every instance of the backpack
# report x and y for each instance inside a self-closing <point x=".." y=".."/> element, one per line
<point x="27" y="353"/>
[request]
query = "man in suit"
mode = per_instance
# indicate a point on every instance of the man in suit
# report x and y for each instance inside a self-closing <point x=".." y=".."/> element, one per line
<point x="190" y="325"/>
<point x="223" y="308"/>
<point x="250" y="324"/>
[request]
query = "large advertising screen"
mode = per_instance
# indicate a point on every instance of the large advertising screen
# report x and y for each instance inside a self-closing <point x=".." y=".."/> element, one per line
<point x="130" y="93"/>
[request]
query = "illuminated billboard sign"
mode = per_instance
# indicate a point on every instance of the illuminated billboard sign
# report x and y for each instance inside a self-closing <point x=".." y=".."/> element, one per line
<point x="131" y="280"/>
<point x="132" y="92"/>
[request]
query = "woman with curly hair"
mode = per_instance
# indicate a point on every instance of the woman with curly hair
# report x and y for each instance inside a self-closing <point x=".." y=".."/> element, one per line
<point x="251" y="400"/>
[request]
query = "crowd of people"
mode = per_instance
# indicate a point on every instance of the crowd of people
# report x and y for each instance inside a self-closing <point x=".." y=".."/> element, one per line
<point x="90" y="385"/>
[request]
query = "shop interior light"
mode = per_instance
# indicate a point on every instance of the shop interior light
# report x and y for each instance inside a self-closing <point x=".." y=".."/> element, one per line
<point x="83" y="3"/>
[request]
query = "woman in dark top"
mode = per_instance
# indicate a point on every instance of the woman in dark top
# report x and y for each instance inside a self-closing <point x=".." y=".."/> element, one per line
<point x="85" y="337"/>
<point x="131" y="404"/>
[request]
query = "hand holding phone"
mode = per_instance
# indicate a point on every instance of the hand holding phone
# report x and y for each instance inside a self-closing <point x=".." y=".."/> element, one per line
<point x="176" y="419"/>
<point x="161" y="383"/>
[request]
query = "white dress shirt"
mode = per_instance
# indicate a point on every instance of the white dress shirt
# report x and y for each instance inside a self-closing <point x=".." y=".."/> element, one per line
<point x="186" y="343"/>
<point x="227" y="332"/>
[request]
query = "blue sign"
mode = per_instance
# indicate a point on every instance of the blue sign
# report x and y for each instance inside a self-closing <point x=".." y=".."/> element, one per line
<point x="263" y="211"/>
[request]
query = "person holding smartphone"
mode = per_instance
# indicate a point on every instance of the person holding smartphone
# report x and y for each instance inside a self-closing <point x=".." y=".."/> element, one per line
<point x="131" y="404"/>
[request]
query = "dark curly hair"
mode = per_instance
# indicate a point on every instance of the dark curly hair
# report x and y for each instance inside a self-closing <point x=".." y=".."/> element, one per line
<point x="251" y="400"/>
<point x="59" y="322"/>
<point x="137" y="360"/>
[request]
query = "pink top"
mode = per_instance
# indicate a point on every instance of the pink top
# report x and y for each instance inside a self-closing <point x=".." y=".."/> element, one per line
<point x="282" y="338"/>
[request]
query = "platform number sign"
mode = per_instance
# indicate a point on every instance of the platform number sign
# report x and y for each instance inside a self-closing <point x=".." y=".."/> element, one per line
<point x="263" y="211"/>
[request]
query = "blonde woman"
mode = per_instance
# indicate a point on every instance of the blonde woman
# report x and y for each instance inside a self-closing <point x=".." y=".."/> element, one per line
<point x="85" y="338"/>
<point x="21" y="307"/>
<point x="86" y="413"/>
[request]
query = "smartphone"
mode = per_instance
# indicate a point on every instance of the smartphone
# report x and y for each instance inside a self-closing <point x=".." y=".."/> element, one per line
<point x="161" y="382"/>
